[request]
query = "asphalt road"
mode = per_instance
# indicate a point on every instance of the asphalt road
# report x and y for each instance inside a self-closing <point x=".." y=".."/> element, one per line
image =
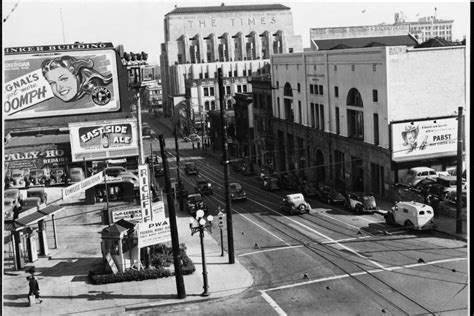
<point x="328" y="262"/>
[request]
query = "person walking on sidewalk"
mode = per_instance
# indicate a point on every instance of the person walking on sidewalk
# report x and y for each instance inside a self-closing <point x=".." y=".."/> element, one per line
<point x="34" y="289"/>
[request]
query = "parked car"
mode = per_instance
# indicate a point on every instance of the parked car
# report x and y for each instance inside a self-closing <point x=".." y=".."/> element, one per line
<point x="10" y="208"/>
<point x="194" y="137"/>
<point x="203" y="186"/>
<point x="411" y="215"/>
<point x="18" y="178"/>
<point x="294" y="204"/>
<point x="361" y="203"/>
<point x="13" y="194"/>
<point x="421" y="186"/>
<point x="415" y="175"/>
<point x="271" y="183"/>
<point x="114" y="171"/>
<point x="289" y="181"/>
<point x="38" y="192"/>
<point x="76" y="174"/>
<point x="37" y="177"/>
<point x="329" y="195"/>
<point x="154" y="162"/>
<point x="236" y="192"/>
<point x="58" y="176"/>
<point x="195" y="202"/>
<point x="247" y="169"/>
<point x="309" y="189"/>
<point x="237" y="164"/>
<point x="190" y="168"/>
<point x="130" y="176"/>
<point x="30" y="202"/>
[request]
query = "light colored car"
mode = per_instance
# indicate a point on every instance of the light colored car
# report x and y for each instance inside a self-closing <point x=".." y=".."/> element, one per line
<point x="412" y="215"/>
<point x="38" y="192"/>
<point x="294" y="204"/>
<point x="13" y="194"/>
<point x="236" y="192"/>
<point x="415" y="175"/>
<point x="361" y="203"/>
<point x="18" y="178"/>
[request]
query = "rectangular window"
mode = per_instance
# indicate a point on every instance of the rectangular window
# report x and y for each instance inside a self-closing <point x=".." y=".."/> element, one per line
<point x="245" y="88"/>
<point x="299" y="87"/>
<point x="278" y="107"/>
<point x="321" y="114"/>
<point x="235" y="73"/>
<point x="336" y="92"/>
<point x="230" y="74"/>
<point x="313" y="124"/>
<point x="355" y="124"/>
<point x="339" y="165"/>
<point x="299" y="112"/>
<point x="278" y="85"/>
<point x="227" y="90"/>
<point x="375" y="95"/>
<point x="239" y="88"/>
<point x="320" y="90"/>
<point x="311" y="91"/>
<point x="206" y="75"/>
<point x="200" y="75"/>
<point x="206" y="92"/>
<point x="376" y="129"/>
<point x="338" y="126"/>
<point x="211" y="91"/>
<point x="335" y="67"/>
<point x="353" y="67"/>
<point x="374" y="67"/>
<point x="316" y="89"/>
<point x="317" y="115"/>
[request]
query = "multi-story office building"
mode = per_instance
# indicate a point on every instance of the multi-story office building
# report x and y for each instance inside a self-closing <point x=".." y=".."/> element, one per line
<point x="342" y="116"/>
<point x="427" y="27"/>
<point x="239" y="39"/>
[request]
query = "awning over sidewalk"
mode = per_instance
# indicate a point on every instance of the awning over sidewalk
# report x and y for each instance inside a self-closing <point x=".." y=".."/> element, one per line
<point x="31" y="219"/>
<point x="52" y="209"/>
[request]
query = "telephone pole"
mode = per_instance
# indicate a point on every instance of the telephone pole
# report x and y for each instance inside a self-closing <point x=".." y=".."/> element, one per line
<point x="230" y="233"/>
<point x="459" y="175"/>
<point x="173" y="226"/>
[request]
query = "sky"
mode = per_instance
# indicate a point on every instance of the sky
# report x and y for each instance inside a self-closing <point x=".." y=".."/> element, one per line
<point x="138" y="24"/>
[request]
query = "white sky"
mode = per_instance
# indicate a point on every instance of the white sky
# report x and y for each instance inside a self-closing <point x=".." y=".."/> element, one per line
<point x="138" y="24"/>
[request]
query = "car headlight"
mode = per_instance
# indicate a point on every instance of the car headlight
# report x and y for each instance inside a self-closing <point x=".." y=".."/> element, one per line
<point x="232" y="195"/>
<point x="208" y="185"/>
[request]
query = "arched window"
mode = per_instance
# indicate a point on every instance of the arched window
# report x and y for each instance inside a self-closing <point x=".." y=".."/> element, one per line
<point x="213" y="105"/>
<point x="206" y="105"/>
<point x="287" y="91"/>
<point x="229" y="105"/>
<point x="354" y="98"/>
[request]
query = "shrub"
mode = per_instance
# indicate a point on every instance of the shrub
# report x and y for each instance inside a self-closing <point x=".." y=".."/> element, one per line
<point x="129" y="275"/>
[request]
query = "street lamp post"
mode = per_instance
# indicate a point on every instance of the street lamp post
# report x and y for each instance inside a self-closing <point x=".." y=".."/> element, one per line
<point x="202" y="225"/>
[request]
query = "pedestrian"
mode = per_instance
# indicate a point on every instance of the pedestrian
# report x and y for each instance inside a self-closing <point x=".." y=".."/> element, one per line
<point x="34" y="289"/>
<point x="193" y="144"/>
<point x="199" y="145"/>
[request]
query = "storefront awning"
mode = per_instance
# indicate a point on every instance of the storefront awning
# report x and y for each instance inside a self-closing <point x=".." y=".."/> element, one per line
<point x="51" y="209"/>
<point x="12" y="226"/>
<point x="31" y="219"/>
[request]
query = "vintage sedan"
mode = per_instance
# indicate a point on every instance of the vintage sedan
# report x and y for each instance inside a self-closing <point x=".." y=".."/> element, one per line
<point x="37" y="177"/>
<point x="329" y="195"/>
<point x="17" y="178"/>
<point x="270" y="183"/>
<point x="190" y="168"/>
<point x="308" y="188"/>
<point x="195" y="202"/>
<point x="361" y="203"/>
<point x="203" y="186"/>
<point x="294" y="204"/>
<point x="236" y="192"/>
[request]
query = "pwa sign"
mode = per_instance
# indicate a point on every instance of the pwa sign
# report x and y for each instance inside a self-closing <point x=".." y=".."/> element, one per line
<point x="153" y="232"/>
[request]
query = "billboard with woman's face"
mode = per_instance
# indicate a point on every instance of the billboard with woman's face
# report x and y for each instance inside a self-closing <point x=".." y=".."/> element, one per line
<point x="54" y="80"/>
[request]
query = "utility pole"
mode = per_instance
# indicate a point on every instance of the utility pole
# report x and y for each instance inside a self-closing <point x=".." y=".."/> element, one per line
<point x="173" y="226"/>
<point x="459" y="175"/>
<point x="230" y="233"/>
<point x="180" y="196"/>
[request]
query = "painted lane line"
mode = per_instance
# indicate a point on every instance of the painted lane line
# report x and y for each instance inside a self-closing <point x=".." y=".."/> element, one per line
<point x="273" y="304"/>
<point x="261" y="227"/>
<point x="338" y="220"/>
<point x="268" y="250"/>
<point x="347" y="239"/>
<point x="324" y="236"/>
<point x="347" y="275"/>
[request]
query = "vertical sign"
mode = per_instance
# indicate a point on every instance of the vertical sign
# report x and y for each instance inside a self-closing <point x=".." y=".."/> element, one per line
<point x="144" y="192"/>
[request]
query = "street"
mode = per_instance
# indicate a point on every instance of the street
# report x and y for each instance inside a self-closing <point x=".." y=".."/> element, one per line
<point x="329" y="261"/>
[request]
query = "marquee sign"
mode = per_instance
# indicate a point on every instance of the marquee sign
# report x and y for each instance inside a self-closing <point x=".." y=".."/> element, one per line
<point x="424" y="139"/>
<point x="103" y="139"/>
<point x="45" y="81"/>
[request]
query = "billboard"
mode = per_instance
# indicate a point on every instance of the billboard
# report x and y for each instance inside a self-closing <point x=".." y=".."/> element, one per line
<point x="45" y="81"/>
<point x="424" y="139"/>
<point x="103" y="139"/>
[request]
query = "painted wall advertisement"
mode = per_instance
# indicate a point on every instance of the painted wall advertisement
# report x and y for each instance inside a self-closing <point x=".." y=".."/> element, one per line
<point x="45" y="81"/>
<point x="103" y="139"/>
<point x="424" y="139"/>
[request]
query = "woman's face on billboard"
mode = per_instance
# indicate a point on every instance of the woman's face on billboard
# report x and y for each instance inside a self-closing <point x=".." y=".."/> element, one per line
<point x="63" y="83"/>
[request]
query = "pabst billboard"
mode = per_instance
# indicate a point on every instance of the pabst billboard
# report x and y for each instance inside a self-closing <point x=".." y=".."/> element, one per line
<point x="45" y="81"/>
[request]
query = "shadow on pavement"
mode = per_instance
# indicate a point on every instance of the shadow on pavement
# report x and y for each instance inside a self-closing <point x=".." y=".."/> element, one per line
<point x="71" y="267"/>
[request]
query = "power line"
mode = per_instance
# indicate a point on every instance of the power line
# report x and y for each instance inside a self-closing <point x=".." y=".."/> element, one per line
<point x="13" y="9"/>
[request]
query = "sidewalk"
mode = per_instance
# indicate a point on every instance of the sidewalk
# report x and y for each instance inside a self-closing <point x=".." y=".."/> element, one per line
<point x="64" y="283"/>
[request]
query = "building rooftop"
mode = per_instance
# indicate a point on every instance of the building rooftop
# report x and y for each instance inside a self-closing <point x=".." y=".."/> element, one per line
<point x="228" y="8"/>
<point x="436" y="42"/>
<point x="344" y="43"/>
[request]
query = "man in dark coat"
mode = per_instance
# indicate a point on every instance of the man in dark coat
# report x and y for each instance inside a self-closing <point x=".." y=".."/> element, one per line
<point x="34" y="288"/>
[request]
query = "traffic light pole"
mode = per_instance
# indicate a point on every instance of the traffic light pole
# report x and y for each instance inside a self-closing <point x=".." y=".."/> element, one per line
<point x="230" y="234"/>
<point x="173" y="226"/>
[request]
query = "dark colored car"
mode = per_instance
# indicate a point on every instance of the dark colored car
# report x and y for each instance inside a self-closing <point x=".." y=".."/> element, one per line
<point x="195" y="202"/>
<point x="271" y="183"/>
<point x="237" y="164"/>
<point x="190" y="168"/>
<point x="37" y="177"/>
<point x="58" y="176"/>
<point x="236" y="192"/>
<point x="422" y="185"/>
<point x="330" y="195"/>
<point x="289" y="181"/>
<point x="247" y="169"/>
<point x="155" y="162"/>
<point x="114" y="171"/>
<point x="361" y="202"/>
<point x="37" y="192"/>
<point x="308" y="189"/>
<point x="203" y="186"/>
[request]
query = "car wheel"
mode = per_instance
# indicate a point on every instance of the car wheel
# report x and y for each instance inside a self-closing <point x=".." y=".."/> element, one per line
<point x="302" y="207"/>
